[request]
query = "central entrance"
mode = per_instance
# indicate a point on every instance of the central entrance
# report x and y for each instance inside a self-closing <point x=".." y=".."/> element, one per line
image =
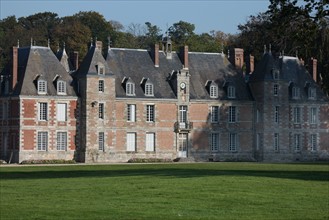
<point x="182" y="144"/>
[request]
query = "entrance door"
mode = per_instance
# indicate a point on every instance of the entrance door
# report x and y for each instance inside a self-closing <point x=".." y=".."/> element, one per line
<point x="182" y="145"/>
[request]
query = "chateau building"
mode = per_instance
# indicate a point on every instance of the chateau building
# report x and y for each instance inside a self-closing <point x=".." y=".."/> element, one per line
<point x="132" y="103"/>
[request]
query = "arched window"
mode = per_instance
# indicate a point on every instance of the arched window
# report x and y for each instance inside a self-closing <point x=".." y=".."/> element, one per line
<point x="42" y="87"/>
<point x="61" y="87"/>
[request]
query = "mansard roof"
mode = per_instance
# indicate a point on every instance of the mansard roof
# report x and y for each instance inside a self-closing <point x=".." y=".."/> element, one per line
<point x="290" y="69"/>
<point x="35" y="62"/>
<point x="64" y="60"/>
<point x="138" y="64"/>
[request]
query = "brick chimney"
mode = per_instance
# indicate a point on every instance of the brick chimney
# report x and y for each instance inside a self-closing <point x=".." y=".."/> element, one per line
<point x="75" y="59"/>
<point x="313" y="68"/>
<point x="250" y="64"/>
<point x="237" y="58"/>
<point x="15" y="67"/>
<point x="156" y="55"/>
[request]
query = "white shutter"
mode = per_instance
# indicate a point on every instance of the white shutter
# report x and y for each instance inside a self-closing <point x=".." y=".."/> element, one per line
<point x="132" y="112"/>
<point x="131" y="142"/>
<point x="150" y="141"/>
<point x="61" y="112"/>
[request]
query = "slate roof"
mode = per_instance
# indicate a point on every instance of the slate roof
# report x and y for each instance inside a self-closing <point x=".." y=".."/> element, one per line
<point x="40" y="61"/>
<point x="64" y="60"/>
<point x="138" y="64"/>
<point x="291" y="70"/>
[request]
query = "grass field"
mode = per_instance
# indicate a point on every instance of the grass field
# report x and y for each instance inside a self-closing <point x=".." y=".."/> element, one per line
<point x="166" y="191"/>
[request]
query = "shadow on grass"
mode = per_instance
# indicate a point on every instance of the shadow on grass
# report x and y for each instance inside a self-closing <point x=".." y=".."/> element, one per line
<point x="164" y="172"/>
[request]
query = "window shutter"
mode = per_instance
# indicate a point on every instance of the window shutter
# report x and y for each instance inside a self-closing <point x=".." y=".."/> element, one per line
<point x="61" y="112"/>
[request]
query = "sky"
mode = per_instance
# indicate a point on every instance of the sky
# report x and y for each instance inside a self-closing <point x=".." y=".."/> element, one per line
<point x="208" y="15"/>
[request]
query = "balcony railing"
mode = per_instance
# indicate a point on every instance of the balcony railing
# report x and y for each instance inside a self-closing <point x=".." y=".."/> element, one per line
<point x="183" y="126"/>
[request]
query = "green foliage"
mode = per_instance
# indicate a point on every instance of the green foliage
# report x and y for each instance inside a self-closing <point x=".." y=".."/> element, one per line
<point x="48" y="162"/>
<point x="165" y="191"/>
<point x="149" y="160"/>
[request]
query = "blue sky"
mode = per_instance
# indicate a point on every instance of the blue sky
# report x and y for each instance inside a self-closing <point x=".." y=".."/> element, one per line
<point x="218" y="15"/>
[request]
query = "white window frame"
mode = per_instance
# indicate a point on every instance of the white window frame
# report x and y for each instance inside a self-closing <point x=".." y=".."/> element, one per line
<point x="183" y="113"/>
<point x="276" y="142"/>
<point x="101" y="110"/>
<point x="61" y="141"/>
<point x="297" y="142"/>
<point x="297" y="115"/>
<point x="42" y="87"/>
<point x="313" y="142"/>
<point x="231" y="92"/>
<point x="61" y="111"/>
<point x="214" y="114"/>
<point x="150" y="113"/>
<point x="295" y="92"/>
<point x="131" y="112"/>
<point x="214" y="142"/>
<point x="42" y="141"/>
<point x="150" y="142"/>
<point x="233" y="142"/>
<point x="101" y="141"/>
<point x="130" y="89"/>
<point x="232" y="114"/>
<point x="313" y="115"/>
<point x="213" y="91"/>
<point x="149" y="89"/>
<point x="61" y="87"/>
<point x="131" y="141"/>
<point x="101" y="86"/>
<point x="42" y="111"/>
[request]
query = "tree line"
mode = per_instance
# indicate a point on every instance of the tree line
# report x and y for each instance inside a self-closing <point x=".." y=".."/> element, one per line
<point x="291" y="27"/>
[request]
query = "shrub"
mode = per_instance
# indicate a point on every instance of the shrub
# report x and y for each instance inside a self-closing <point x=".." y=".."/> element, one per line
<point x="149" y="160"/>
<point x="48" y="162"/>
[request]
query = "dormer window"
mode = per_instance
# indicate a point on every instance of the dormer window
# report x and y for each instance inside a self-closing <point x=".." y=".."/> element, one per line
<point x="275" y="74"/>
<point x="311" y="93"/>
<point x="295" y="92"/>
<point x="61" y="87"/>
<point x="213" y="91"/>
<point x="147" y="87"/>
<point x="42" y="87"/>
<point x="130" y="89"/>
<point x="100" y="69"/>
<point x="231" y="92"/>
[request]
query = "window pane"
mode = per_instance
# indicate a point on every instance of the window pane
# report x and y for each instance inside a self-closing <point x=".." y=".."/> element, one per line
<point x="214" y="142"/>
<point x="61" y="111"/>
<point x="131" y="113"/>
<point x="150" y="113"/>
<point x="42" y="141"/>
<point x="131" y="142"/>
<point x="232" y="114"/>
<point x="43" y="111"/>
<point x="61" y="141"/>
<point x="150" y="141"/>
<point x="101" y="141"/>
<point x="214" y="113"/>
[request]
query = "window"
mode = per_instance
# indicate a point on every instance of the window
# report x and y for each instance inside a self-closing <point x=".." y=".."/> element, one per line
<point x="101" y="110"/>
<point x="257" y="115"/>
<point x="130" y="89"/>
<point x="149" y="89"/>
<point x="213" y="91"/>
<point x="297" y="143"/>
<point x="42" y="141"/>
<point x="61" y="141"/>
<point x="131" y="113"/>
<point x="214" y="114"/>
<point x="61" y="87"/>
<point x="276" y="141"/>
<point x="311" y="93"/>
<point x="131" y="141"/>
<point x="43" y="111"/>
<point x="276" y="74"/>
<point x="42" y="87"/>
<point x="232" y="114"/>
<point x="101" y="69"/>
<point x="232" y="141"/>
<point x="276" y="114"/>
<point x="297" y="115"/>
<point x="61" y="111"/>
<point x="183" y="113"/>
<point x="314" y="142"/>
<point x="101" y="86"/>
<point x="214" y="142"/>
<point x="150" y="140"/>
<point x="150" y="113"/>
<point x="231" y="92"/>
<point x="101" y="141"/>
<point x="295" y="92"/>
<point x="275" y="89"/>
<point x="313" y="115"/>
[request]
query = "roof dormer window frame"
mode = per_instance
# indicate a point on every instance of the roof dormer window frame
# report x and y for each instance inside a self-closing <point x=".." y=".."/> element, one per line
<point x="311" y="93"/>
<point x="213" y="90"/>
<point x="147" y="86"/>
<point x="42" y="87"/>
<point x="231" y="92"/>
<point x="275" y="74"/>
<point x="100" y="69"/>
<point x="295" y="93"/>
<point x="61" y="87"/>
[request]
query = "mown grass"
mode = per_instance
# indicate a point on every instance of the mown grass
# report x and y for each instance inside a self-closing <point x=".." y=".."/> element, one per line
<point x="166" y="191"/>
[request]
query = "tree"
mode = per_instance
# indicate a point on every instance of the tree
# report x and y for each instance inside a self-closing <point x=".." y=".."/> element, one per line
<point x="180" y="32"/>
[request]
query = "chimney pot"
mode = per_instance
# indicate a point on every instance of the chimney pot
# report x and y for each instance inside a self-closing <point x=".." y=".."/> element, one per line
<point x="99" y="45"/>
<point x="313" y="68"/>
<point x="156" y="55"/>
<point x="15" y="67"/>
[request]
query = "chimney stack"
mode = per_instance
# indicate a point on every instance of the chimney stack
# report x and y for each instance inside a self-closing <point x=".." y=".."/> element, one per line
<point x="313" y="68"/>
<point x="185" y="57"/>
<point x="15" y="67"/>
<point x="99" y="45"/>
<point x="237" y="58"/>
<point x="250" y="64"/>
<point x="75" y="59"/>
<point x="156" y="55"/>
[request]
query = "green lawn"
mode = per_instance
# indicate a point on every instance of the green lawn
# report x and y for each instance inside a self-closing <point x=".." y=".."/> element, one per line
<point x="166" y="191"/>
